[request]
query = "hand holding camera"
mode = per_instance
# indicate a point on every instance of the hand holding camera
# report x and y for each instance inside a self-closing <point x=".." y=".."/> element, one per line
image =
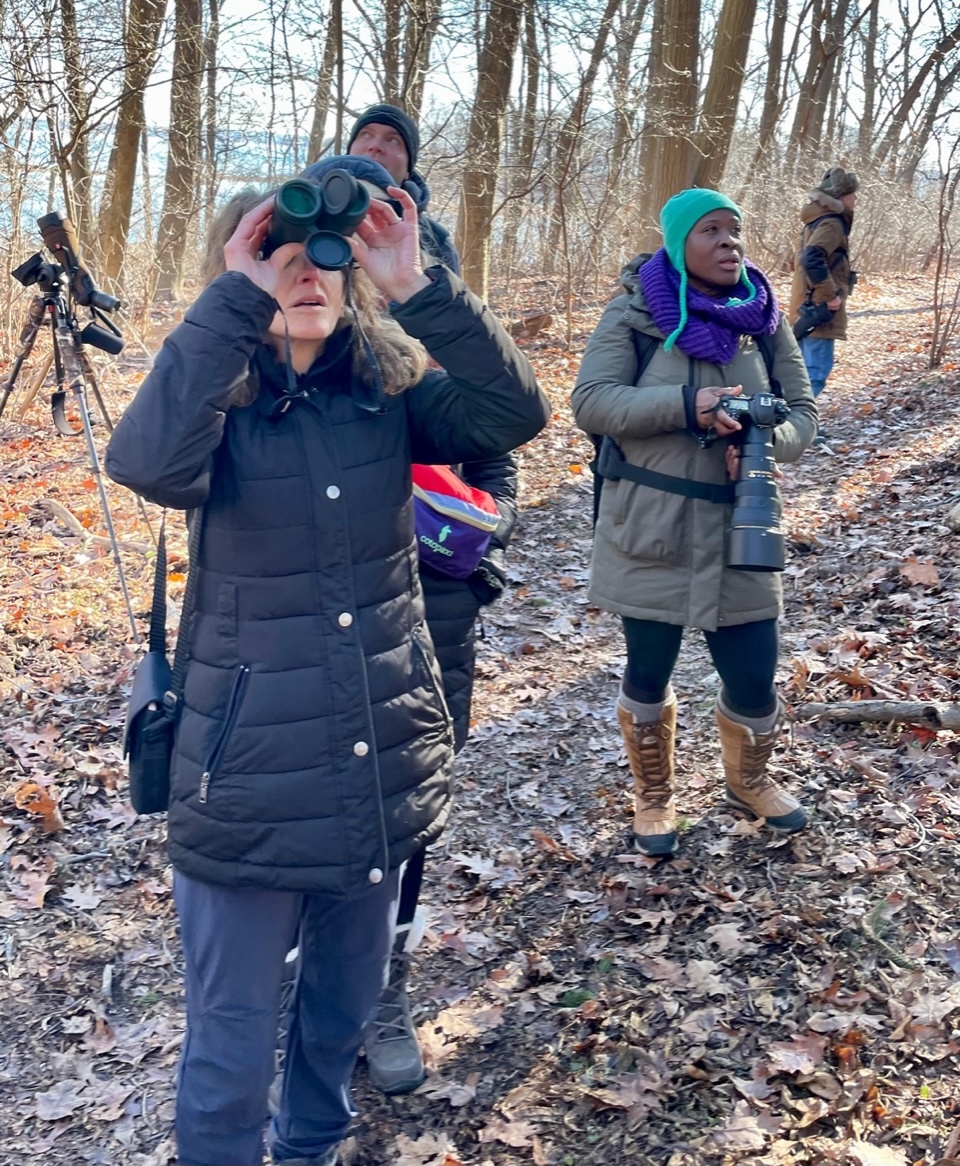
<point x="711" y="415"/>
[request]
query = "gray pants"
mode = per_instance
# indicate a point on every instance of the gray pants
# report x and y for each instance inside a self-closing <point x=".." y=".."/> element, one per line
<point x="235" y="941"/>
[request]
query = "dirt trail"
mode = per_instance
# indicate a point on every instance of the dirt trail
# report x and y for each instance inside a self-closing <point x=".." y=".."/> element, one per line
<point x="756" y="1000"/>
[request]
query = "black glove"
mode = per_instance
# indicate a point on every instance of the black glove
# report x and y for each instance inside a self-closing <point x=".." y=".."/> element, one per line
<point x="487" y="582"/>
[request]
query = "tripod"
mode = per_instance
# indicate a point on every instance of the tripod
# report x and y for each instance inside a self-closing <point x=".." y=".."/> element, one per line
<point x="71" y="363"/>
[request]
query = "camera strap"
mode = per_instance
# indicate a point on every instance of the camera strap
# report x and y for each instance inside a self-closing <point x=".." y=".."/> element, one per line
<point x="612" y="465"/>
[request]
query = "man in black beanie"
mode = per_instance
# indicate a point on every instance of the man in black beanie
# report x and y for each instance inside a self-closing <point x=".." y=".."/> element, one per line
<point x="390" y="136"/>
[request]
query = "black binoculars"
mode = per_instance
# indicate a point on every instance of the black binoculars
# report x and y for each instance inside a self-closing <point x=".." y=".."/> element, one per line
<point x="320" y="215"/>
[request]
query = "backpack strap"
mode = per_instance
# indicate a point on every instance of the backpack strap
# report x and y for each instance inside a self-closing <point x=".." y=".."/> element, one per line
<point x="768" y="350"/>
<point x="611" y="464"/>
<point x="644" y="345"/>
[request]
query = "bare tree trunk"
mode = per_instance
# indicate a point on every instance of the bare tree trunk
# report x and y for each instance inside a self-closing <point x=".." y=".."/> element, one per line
<point x="423" y="20"/>
<point x="322" y="94"/>
<point x="667" y="144"/>
<point x="521" y="174"/>
<point x="78" y="102"/>
<point x="772" y="88"/>
<point x="826" y="45"/>
<point x="920" y="138"/>
<point x="183" y="150"/>
<point x="392" y="33"/>
<point x="723" y="90"/>
<point x="484" y="139"/>
<point x="870" y="76"/>
<point x="891" y="138"/>
<point x="568" y="140"/>
<point x="211" y="43"/>
<point x="336" y="24"/>
<point x="624" y="111"/>
<point x="141" y="42"/>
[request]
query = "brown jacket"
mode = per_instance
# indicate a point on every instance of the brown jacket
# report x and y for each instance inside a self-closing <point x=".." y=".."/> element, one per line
<point x="823" y="261"/>
<point x="658" y="555"/>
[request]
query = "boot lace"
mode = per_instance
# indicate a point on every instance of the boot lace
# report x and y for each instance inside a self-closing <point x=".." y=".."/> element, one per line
<point x="649" y="744"/>
<point x="392" y="1021"/>
<point x="755" y="757"/>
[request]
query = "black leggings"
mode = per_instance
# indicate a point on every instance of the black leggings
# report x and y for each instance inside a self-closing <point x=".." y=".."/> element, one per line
<point x="745" y="655"/>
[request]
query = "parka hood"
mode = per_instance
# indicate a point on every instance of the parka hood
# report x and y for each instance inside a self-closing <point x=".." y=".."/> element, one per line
<point x="629" y="277"/>
<point x="821" y="204"/>
<point x="416" y="187"/>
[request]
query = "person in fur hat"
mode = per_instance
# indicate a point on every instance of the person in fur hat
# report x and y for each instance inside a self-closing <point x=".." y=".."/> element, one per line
<point x="822" y="274"/>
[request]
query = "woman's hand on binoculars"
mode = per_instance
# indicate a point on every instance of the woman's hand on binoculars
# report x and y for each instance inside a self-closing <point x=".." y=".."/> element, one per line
<point x="241" y="251"/>
<point x="708" y="414"/>
<point x="388" y="247"/>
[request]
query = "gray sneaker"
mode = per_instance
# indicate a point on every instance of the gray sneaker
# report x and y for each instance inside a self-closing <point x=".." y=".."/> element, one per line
<point x="330" y="1158"/>
<point x="394" y="1060"/>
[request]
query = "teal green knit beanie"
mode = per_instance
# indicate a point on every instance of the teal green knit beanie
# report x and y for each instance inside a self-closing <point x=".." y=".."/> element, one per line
<point x="677" y="219"/>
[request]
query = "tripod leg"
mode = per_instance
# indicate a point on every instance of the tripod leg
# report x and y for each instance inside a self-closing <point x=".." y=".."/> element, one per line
<point x="34" y="387"/>
<point x="90" y="377"/>
<point x="28" y="335"/>
<point x="66" y="345"/>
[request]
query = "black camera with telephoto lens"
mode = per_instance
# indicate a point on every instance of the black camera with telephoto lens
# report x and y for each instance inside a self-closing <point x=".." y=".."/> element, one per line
<point x="756" y="541"/>
<point x="320" y="215"/>
<point x="811" y="316"/>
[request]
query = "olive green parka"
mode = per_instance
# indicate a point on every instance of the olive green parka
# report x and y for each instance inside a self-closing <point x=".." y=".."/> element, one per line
<point x="658" y="555"/>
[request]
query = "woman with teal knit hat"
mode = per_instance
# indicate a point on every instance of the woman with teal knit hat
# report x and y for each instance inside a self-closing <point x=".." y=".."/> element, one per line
<point x="697" y="322"/>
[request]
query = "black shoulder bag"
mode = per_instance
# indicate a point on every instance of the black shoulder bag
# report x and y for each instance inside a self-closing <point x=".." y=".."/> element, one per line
<point x="157" y="689"/>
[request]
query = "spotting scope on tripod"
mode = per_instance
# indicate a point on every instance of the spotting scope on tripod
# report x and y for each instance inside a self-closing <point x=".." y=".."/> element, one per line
<point x="63" y="286"/>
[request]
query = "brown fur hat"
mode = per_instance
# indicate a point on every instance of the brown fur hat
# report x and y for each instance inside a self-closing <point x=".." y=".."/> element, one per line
<point x="837" y="182"/>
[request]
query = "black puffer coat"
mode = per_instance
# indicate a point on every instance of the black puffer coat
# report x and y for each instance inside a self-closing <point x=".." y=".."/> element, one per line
<point x="453" y="605"/>
<point x="314" y="746"/>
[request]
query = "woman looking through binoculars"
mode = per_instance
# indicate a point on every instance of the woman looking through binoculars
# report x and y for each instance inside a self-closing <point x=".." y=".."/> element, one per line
<point x="702" y="321"/>
<point x="314" y="748"/>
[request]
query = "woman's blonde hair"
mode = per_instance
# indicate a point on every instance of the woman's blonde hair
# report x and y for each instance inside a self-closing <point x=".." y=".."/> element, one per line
<point x="402" y="360"/>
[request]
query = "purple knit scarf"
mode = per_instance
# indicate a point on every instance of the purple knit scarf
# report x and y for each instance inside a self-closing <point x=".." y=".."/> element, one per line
<point x="714" y="326"/>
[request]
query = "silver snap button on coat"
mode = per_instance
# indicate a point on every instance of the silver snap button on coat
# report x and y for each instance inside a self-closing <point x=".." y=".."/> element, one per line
<point x="361" y="748"/>
<point x="376" y="875"/>
<point x="344" y="619"/>
<point x="333" y="491"/>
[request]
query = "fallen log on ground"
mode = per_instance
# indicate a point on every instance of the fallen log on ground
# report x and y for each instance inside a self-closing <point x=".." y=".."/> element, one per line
<point x="931" y="714"/>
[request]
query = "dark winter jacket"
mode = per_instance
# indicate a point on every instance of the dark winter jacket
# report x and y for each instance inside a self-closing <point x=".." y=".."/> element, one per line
<point x="453" y="605"/>
<point x="823" y="264"/>
<point x="314" y="746"/>
<point x="434" y="239"/>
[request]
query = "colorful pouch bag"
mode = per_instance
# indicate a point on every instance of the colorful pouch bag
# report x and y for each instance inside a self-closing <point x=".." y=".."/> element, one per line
<point x="454" y="521"/>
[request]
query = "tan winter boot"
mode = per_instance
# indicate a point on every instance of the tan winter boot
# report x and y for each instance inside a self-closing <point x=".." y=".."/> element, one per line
<point x="745" y="755"/>
<point x="650" y="753"/>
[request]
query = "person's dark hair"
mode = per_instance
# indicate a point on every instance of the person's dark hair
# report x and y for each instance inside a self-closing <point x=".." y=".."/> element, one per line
<point x="402" y="360"/>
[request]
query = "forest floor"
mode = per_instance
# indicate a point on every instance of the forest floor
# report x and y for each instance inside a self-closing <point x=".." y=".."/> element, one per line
<point x="756" y="1000"/>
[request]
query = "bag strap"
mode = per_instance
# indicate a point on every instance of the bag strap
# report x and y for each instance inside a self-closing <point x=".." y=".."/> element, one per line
<point x="181" y="655"/>
<point x="157" y="641"/>
<point x="158" y="610"/>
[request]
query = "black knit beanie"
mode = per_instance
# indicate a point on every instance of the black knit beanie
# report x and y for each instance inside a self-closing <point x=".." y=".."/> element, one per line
<point x="390" y="115"/>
